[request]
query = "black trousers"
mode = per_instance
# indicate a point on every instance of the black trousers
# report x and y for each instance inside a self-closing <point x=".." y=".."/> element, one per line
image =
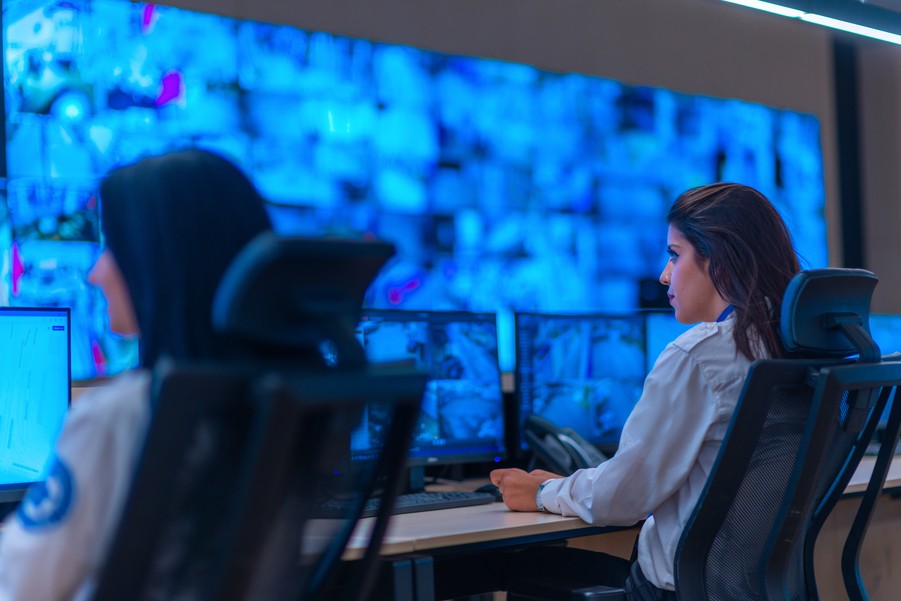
<point x="639" y="589"/>
<point x="578" y="568"/>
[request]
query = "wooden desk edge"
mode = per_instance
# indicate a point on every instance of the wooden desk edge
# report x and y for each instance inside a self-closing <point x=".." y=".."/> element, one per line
<point x="484" y="524"/>
<point x="861" y="476"/>
<point x="468" y="526"/>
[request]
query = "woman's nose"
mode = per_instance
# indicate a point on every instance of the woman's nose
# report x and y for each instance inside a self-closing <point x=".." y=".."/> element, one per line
<point x="95" y="274"/>
<point x="665" y="274"/>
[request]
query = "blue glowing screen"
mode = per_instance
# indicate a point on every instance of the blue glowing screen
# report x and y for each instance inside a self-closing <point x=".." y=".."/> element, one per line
<point x="505" y="187"/>
<point x="886" y="332"/>
<point x="462" y="413"/>
<point x="661" y="328"/>
<point x="34" y="390"/>
<point x="584" y="371"/>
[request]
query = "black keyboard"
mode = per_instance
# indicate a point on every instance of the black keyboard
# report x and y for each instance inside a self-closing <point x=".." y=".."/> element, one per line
<point x="411" y="503"/>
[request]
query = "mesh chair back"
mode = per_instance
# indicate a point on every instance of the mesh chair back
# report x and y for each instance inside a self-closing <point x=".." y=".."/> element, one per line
<point x="721" y="550"/>
<point x="225" y="501"/>
<point x="797" y="435"/>
<point x="789" y="458"/>
<point x="732" y="569"/>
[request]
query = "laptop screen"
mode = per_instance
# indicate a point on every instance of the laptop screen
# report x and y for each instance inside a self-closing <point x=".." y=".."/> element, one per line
<point x="34" y="392"/>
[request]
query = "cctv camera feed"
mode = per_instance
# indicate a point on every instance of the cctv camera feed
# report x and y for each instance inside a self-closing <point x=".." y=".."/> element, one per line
<point x="504" y="187"/>
<point x="585" y="372"/>
<point x="462" y="414"/>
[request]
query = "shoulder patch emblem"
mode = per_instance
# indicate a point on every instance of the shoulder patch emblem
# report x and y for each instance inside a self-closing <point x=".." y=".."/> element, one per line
<point x="47" y="503"/>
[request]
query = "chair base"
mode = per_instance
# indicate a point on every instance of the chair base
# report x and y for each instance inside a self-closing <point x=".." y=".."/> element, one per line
<point x="588" y="593"/>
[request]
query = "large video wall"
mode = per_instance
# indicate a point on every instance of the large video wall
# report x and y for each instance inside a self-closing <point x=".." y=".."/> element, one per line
<point x="504" y="187"/>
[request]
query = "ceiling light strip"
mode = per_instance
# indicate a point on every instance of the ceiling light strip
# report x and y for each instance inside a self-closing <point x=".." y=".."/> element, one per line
<point x="769" y="7"/>
<point x="870" y="32"/>
<point x="818" y="19"/>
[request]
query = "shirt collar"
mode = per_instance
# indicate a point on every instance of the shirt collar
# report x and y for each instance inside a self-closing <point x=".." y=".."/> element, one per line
<point x="726" y="313"/>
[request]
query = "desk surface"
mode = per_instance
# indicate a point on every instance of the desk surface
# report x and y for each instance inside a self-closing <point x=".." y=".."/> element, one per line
<point x="481" y="524"/>
<point x="488" y="524"/>
<point x="860" y="478"/>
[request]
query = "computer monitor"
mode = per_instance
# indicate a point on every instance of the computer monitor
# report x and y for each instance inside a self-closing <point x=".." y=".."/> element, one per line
<point x="35" y="391"/>
<point x="582" y="371"/>
<point x="462" y="414"/>
<point x="661" y="328"/>
<point x="886" y="332"/>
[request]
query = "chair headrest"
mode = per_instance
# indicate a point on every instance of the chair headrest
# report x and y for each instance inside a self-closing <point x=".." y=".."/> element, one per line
<point x="826" y="313"/>
<point x="293" y="294"/>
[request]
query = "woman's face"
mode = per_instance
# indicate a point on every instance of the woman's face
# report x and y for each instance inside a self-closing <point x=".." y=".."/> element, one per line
<point x="106" y="275"/>
<point x="691" y="291"/>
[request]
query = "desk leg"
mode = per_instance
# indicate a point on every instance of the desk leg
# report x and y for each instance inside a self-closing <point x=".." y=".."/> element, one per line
<point x="423" y="577"/>
<point x="395" y="580"/>
<point x="459" y="577"/>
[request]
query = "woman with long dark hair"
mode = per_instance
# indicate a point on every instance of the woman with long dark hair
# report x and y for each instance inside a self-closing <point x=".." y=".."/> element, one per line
<point x="172" y="224"/>
<point x="730" y="260"/>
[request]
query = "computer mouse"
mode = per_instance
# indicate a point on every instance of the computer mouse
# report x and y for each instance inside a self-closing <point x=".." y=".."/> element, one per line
<point x="491" y="488"/>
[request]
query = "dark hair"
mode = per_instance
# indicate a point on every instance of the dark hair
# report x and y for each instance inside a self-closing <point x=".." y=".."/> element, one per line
<point x="751" y="257"/>
<point x="174" y="223"/>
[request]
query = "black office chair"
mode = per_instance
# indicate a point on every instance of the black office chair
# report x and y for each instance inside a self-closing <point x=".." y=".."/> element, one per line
<point x="227" y="501"/>
<point x="798" y="433"/>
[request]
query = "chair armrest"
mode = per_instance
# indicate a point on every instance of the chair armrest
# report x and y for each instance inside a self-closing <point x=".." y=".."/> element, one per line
<point x="558" y="591"/>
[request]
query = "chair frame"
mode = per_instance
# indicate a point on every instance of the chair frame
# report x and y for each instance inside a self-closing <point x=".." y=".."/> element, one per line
<point x="824" y="320"/>
<point x="850" y="561"/>
<point x="282" y="410"/>
<point x="830" y="382"/>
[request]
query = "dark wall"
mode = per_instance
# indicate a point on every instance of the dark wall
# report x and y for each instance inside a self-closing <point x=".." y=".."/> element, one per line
<point x="879" y="80"/>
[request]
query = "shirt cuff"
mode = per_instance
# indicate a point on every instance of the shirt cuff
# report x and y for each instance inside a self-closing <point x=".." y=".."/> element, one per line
<point x="549" y="494"/>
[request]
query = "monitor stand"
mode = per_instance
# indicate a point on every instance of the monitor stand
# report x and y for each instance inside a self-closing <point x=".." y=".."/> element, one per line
<point x="415" y="479"/>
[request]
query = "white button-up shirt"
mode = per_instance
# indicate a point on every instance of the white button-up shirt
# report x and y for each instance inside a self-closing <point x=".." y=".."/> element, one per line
<point x="667" y="448"/>
<point x="55" y="544"/>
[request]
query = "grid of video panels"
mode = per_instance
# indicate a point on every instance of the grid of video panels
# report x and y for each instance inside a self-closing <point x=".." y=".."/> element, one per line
<point x="462" y="412"/>
<point x="504" y="187"/>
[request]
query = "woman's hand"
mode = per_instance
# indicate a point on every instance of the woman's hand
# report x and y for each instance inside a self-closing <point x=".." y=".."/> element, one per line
<point x="519" y="487"/>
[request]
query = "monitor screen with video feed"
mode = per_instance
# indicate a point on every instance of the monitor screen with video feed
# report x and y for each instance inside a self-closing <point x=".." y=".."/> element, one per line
<point x="462" y="413"/>
<point x="582" y="371"/>
<point x="503" y="186"/>
<point x="34" y="393"/>
<point x="661" y="328"/>
<point x="886" y="332"/>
